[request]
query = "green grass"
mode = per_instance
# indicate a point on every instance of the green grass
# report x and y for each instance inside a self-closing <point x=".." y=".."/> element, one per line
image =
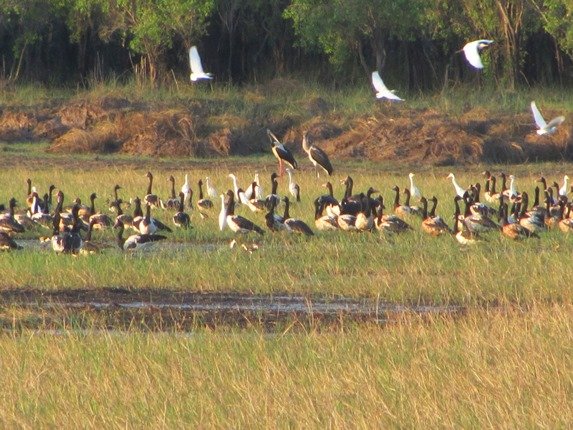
<point x="488" y="369"/>
<point x="413" y="268"/>
<point x="288" y="98"/>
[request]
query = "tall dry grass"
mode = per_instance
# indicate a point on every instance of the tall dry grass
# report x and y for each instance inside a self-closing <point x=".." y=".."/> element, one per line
<point x="489" y="369"/>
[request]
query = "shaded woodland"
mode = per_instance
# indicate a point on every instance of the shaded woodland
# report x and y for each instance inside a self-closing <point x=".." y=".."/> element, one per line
<point x="335" y="42"/>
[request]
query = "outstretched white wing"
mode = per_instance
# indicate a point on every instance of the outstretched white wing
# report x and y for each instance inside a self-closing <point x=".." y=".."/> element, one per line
<point x="195" y="61"/>
<point x="381" y="90"/>
<point x="555" y="122"/>
<point x="472" y="54"/>
<point x="541" y="124"/>
<point x="471" y="51"/>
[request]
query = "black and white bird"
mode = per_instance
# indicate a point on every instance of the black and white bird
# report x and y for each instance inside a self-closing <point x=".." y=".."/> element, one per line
<point x="7" y="243"/>
<point x="135" y="242"/>
<point x="237" y="223"/>
<point x="8" y="223"/>
<point x="316" y="156"/>
<point x="204" y="204"/>
<point x="196" y="66"/>
<point x="282" y="153"/>
<point x="472" y="50"/>
<point x="181" y="218"/>
<point x="150" y="198"/>
<point x="69" y="241"/>
<point x="295" y="225"/>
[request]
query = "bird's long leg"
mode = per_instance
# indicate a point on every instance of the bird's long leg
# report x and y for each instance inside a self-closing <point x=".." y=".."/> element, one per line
<point x="280" y="167"/>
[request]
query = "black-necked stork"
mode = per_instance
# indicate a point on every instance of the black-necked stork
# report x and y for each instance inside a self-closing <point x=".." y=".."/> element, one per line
<point x="281" y="153"/>
<point x="317" y="156"/>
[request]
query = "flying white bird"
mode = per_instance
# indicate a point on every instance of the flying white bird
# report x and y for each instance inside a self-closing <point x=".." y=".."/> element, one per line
<point x="381" y="90"/>
<point x="196" y="66"/>
<point x="471" y="50"/>
<point x="543" y="127"/>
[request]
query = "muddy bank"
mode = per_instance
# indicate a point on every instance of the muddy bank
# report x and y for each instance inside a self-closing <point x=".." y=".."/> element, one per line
<point x="396" y="132"/>
<point x="160" y="310"/>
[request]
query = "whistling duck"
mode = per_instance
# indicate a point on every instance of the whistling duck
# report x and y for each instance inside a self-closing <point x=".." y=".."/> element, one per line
<point x="181" y="219"/>
<point x="432" y="224"/>
<point x="237" y="223"/>
<point x="173" y="201"/>
<point x="389" y="223"/>
<point x="458" y="189"/>
<point x="282" y="153"/>
<point x="513" y="231"/>
<point x="136" y="242"/>
<point x="323" y="222"/>
<point x="316" y="156"/>
<point x="150" y="198"/>
<point x="294" y="225"/>
<point x="203" y="204"/>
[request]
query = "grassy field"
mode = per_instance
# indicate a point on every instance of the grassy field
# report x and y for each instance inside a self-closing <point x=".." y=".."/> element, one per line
<point x="505" y="363"/>
<point x="488" y="370"/>
<point x="413" y="268"/>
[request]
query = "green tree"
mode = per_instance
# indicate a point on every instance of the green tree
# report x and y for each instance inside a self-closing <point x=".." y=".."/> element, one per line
<point x="344" y="29"/>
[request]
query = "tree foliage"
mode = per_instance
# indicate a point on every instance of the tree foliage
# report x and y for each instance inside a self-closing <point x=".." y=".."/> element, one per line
<point x="66" y="40"/>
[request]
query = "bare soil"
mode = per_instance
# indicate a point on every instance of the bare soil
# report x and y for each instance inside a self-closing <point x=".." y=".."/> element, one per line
<point x="393" y="133"/>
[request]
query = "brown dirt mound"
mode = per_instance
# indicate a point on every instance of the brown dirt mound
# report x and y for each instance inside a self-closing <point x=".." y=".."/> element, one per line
<point x="430" y="137"/>
<point x="104" y="138"/>
<point x="411" y="136"/>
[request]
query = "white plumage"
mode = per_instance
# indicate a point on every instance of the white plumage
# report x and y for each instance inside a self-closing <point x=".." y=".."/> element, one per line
<point x="459" y="190"/>
<point x="471" y="51"/>
<point x="542" y="126"/>
<point x="196" y="66"/>
<point x="414" y="190"/>
<point x="381" y="90"/>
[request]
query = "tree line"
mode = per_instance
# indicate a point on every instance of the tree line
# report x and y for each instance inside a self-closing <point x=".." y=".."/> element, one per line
<point x="413" y="43"/>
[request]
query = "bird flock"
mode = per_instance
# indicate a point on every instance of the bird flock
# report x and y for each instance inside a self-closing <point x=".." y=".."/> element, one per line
<point x="497" y="207"/>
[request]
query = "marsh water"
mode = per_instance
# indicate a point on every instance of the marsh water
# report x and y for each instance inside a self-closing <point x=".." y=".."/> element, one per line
<point x="161" y="310"/>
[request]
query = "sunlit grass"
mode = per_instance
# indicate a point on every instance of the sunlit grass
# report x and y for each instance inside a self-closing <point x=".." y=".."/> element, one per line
<point x="413" y="268"/>
<point x="485" y="369"/>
